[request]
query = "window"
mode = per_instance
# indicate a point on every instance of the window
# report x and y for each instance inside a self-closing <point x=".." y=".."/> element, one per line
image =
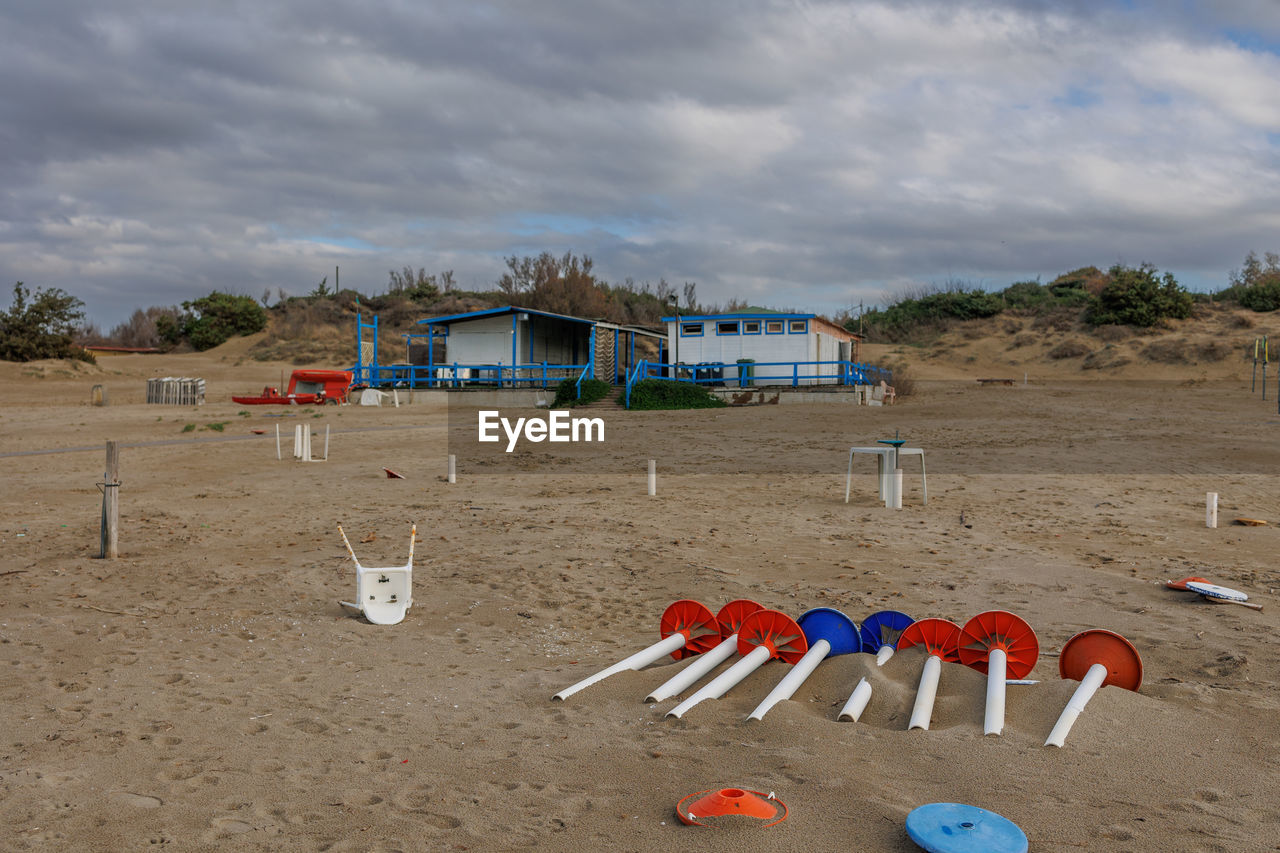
<point x="690" y="330"/>
<point x="773" y="327"/>
<point x="799" y="327"/>
<point x="750" y="327"/>
<point x="729" y="328"/>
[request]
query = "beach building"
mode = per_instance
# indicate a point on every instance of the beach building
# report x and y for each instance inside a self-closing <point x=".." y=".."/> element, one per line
<point x="505" y="347"/>
<point x="764" y="348"/>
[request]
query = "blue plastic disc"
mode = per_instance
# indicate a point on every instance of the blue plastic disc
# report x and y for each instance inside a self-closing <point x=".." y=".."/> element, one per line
<point x="825" y="623"/>
<point x="883" y="629"/>
<point x="957" y="828"/>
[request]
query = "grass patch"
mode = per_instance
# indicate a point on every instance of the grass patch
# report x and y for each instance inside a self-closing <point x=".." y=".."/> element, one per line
<point x="567" y="393"/>
<point x="217" y="426"/>
<point x="189" y="428"/>
<point x="654" y="394"/>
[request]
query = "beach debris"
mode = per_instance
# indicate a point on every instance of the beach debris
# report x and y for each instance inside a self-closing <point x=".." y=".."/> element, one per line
<point x="452" y="475"/>
<point x="941" y="639"/>
<point x="766" y="809"/>
<point x="383" y="594"/>
<point x="1251" y="522"/>
<point x="1210" y="509"/>
<point x="392" y="475"/>
<point x="1000" y="644"/>
<point x="960" y="828"/>
<point x="764" y="635"/>
<point x="729" y="620"/>
<point x="687" y="627"/>
<point x="1095" y="658"/>
<point x="828" y="632"/>
<point x="1213" y="592"/>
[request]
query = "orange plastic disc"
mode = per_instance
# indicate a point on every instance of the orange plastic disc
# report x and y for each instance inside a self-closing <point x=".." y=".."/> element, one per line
<point x="731" y="615"/>
<point x="776" y="630"/>
<point x="1182" y="584"/>
<point x="999" y="629"/>
<point x="693" y="619"/>
<point x="940" y="637"/>
<point x="1124" y="666"/>
<point x="731" y="801"/>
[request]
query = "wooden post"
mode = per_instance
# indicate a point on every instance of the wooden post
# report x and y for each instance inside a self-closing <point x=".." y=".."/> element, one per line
<point x="111" y="503"/>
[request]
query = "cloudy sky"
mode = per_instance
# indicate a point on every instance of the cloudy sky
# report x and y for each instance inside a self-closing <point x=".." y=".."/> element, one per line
<point x="791" y="153"/>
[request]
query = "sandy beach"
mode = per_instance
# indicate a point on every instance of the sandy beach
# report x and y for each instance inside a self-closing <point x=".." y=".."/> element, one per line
<point x="206" y="691"/>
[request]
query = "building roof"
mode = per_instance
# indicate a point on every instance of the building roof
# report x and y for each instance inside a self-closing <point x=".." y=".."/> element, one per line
<point x="497" y="312"/>
<point x="741" y="315"/>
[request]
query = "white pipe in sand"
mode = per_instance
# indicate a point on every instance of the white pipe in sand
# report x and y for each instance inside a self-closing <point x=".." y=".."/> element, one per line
<point x="922" y="711"/>
<point x="1211" y="509"/>
<point x="897" y="488"/>
<point x="718" y="686"/>
<point x="997" y="666"/>
<point x="882" y="656"/>
<point x="857" y="703"/>
<point x="639" y="660"/>
<point x="1089" y="685"/>
<point x="453" y="468"/>
<point x="699" y="667"/>
<point x="278" y="456"/>
<point x="653" y="477"/>
<point x="297" y="441"/>
<point x="791" y="682"/>
<point x="326" y="442"/>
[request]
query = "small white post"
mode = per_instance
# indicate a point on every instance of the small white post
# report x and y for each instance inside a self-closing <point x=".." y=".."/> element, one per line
<point x="857" y="703"/>
<point x="897" y="488"/>
<point x="453" y="468"/>
<point x="1211" y="509"/>
<point x="718" y="686"/>
<point x="297" y="441"/>
<point x="326" y="442"/>
<point x="639" y="660"/>
<point x="922" y="711"/>
<point x="306" y="444"/>
<point x="653" y="477"/>
<point x="697" y="668"/>
<point x="395" y="397"/>
<point x="278" y="456"/>
<point x="791" y="682"/>
<point x="1088" y="686"/>
<point x="997" y="665"/>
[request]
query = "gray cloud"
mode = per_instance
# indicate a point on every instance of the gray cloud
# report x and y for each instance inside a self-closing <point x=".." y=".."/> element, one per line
<point x="801" y="153"/>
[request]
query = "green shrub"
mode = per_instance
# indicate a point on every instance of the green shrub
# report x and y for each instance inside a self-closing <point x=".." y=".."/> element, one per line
<point x="665" y="394"/>
<point x="189" y="428"/>
<point x="567" y="392"/>
<point x="41" y="324"/>
<point x="908" y="317"/>
<point x="1138" y="296"/>
<point x="1264" y="296"/>
<point x="217" y="426"/>
<point x="212" y="320"/>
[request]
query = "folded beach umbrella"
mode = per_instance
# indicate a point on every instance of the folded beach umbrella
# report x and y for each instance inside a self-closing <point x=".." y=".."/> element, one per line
<point x="828" y="632"/>
<point x="940" y="638"/>
<point x="729" y="620"/>
<point x="687" y="627"/>
<point x="764" y="635"/>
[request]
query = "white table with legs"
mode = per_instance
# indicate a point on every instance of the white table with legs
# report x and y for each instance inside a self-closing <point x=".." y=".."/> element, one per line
<point x="888" y="459"/>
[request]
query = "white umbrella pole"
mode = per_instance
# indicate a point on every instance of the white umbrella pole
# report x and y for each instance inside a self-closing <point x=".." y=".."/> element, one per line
<point x="997" y="666"/>
<point x="698" y="667"/>
<point x="1088" y="686"/>
<point x="718" y="686"/>
<point x="639" y="660"/>
<point x="791" y="682"/>
<point x="882" y="656"/>
<point x="922" y="711"/>
<point x="857" y="703"/>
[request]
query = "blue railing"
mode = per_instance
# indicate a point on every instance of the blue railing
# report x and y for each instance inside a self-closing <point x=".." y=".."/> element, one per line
<point x="460" y="375"/>
<point x="590" y="368"/>
<point x="747" y="374"/>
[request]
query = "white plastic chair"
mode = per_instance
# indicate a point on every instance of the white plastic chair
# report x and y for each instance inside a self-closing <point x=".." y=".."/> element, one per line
<point x="885" y="460"/>
<point x="384" y="594"/>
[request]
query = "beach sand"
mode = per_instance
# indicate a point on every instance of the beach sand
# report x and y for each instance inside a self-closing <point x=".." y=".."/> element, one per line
<point x="206" y="691"/>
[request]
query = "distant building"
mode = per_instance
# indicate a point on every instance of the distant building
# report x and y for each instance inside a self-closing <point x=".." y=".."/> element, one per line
<point x="765" y="348"/>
